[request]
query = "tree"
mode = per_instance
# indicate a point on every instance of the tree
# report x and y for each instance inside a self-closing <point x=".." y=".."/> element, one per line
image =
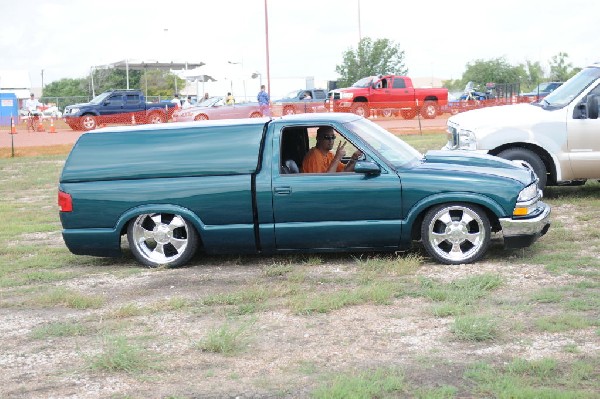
<point x="371" y="58"/>
<point x="66" y="88"/>
<point x="534" y="75"/>
<point x="560" y="69"/>
<point x="496" y="70"/>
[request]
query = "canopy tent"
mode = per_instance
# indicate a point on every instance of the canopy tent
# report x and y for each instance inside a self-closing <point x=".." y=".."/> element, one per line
<point x="143" y="65"/>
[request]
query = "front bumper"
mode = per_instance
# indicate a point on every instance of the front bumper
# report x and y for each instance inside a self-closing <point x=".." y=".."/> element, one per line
<point x="521" y="233"/>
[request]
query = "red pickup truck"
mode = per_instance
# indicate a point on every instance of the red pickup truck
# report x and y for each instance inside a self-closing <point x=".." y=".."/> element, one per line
<point x="388" y="95"/>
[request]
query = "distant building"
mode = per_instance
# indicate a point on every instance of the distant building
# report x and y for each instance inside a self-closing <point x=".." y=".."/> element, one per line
<point x="17" y="82"/>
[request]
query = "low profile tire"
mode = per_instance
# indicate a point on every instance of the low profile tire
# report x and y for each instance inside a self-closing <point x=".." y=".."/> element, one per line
<point x="456" y="233"/>
<point x="361" y="109"/>
<point x="530" y="158"/>
<point x="429" y="110"/>
<point x="159" y="239"/>
<point x="88" y="122"/>
<point x="156" y="118"/>
<point x="201" y="117"/>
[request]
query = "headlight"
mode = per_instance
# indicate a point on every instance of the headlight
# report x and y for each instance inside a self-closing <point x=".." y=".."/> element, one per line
<point x="528" y="193"/>
<point x="467" y="140"/>
<point x="346" y="95"/>
<point x="72" y="111"/>
<point x="527" y="200"/>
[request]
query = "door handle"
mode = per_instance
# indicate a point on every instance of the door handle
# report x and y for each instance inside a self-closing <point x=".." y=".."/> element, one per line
<point x="283" y="190"/>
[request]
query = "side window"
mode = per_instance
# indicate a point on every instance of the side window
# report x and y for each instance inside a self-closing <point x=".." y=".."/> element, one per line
<point x="132" y="99"/>
<point x="294" y="145"/>
<point x="116" y="100"/>
<point x="316" y="162"/>
<point x="399" y="83"/>
<point x="320" y="94"/>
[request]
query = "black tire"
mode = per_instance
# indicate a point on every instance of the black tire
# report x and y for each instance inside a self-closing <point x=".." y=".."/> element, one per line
<point x="456" y="233"/>
<point x="162" y="239"/>
<point x="361" y="109"/>
<point x="408" y="113"/>
<point x="201" y="117"/>
<point x="532" y="159"/>
<point x="88" y="122"/>
<point x="429" y="110"/>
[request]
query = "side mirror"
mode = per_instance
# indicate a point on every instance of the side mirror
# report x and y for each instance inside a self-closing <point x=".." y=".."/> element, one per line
<point x="367" y="167"/>
<point x="592" y="106"/>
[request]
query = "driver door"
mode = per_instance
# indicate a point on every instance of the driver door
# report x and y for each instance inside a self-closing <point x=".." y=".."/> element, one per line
<point x="335" y="211"/>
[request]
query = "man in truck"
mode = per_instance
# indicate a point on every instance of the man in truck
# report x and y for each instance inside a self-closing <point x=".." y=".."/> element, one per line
<point x="320" y="159"/>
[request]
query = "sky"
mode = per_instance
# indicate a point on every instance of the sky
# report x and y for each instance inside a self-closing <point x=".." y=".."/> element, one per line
<point x="65" y="38"/>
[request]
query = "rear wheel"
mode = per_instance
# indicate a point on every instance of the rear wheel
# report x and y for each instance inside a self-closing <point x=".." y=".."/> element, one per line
<point x="429" y="110"/>
<point x="289" y="110"/>
<point x="456" y="233"/>
<point x="201" y="117"/>
<point x="255" y="115"/>
<point x="162" y="239"/>
<point x="531" y="159"/>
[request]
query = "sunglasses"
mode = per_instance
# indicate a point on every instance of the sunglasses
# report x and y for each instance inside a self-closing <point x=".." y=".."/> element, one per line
<point x="328" y="137"/>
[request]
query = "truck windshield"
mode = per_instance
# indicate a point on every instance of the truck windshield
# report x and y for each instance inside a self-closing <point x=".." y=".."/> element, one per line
<point x="100" y="98"/>
<point x="564" y="94"/>
<point x="396" y="151"/>
<point x="364" y="82"/>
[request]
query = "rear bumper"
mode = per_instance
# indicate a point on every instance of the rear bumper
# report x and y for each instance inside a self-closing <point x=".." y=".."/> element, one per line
<point x="521" y="233"/>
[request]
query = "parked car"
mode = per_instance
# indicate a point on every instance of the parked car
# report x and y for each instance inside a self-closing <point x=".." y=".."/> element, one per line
<point x="557" y="136"/>
<point x="215" y="108"/>
<point x="541" y="91"/>
<point x="227" y="187"/>
<point x="302" y="101"/>
<point x="51" y="112"/>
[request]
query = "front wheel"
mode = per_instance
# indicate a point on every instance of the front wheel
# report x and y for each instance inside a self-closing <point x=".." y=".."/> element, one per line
<point x="201" y="117"/>
<point x="88" y="122"/>
<point x="162" y="239"/>
<point x="256" y="115"/>
<point x="531" y="159"/>
<point x="456" y="233"/>
<point x="361" y="109"/>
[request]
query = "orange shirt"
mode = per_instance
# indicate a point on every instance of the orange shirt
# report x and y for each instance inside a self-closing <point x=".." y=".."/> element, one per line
<point x="317" y="162"/>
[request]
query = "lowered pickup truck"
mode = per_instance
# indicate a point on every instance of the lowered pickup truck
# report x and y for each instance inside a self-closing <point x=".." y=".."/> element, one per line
<point x="228" y="187"/>
<point x="302" y="101"/>
<point x="388" y="95"/>
<point x="557" y="137"/>
<point x="116" y="106"/>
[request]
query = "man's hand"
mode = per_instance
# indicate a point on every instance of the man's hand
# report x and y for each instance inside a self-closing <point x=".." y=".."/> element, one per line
<point x="340" y="152"/>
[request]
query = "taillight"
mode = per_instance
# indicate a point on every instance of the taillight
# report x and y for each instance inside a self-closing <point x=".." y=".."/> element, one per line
<point x="65" y="202"/>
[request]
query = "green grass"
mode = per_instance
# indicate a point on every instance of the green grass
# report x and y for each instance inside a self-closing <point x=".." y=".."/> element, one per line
<point x="380" y="383"/>
<point x="59" y="329"/>
<point x="120" y="355"/>
<point x="68" y="298"/>
<point x="475" y="328"/>
<point x="226" y="339"/>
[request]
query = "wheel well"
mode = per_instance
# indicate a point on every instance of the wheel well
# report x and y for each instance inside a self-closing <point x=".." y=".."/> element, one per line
<point x="541" y="152"/>
<point x="431" y="98"/>
<point x="360" y="100"/>
<point x="415" y="233"/>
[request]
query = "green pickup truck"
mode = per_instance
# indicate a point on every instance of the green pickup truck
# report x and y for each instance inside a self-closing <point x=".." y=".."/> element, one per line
<point x="236" y="186"/>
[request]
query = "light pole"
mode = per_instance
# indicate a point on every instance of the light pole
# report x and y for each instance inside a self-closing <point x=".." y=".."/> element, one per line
<point x="241" y="63"/>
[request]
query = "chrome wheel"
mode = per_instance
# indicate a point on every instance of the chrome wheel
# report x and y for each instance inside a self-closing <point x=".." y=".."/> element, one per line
<point x="162" y="239"/>
<point x="88" y="122"/>
<point x="456" y="233"/>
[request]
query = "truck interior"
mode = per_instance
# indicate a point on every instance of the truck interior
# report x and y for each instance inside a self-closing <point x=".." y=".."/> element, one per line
<point x="294" y="145"/>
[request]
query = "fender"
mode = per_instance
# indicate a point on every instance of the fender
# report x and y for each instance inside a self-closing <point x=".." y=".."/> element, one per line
<point x="423" y="205"/>
<point x="160" y="208"/>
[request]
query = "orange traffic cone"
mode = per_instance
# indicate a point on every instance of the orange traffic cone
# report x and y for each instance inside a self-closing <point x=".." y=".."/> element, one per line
<point x="133" y="119"/>
<point x="13" y="128"/>
<point x="40" y="126"/>
<point x="52" y="128"/>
